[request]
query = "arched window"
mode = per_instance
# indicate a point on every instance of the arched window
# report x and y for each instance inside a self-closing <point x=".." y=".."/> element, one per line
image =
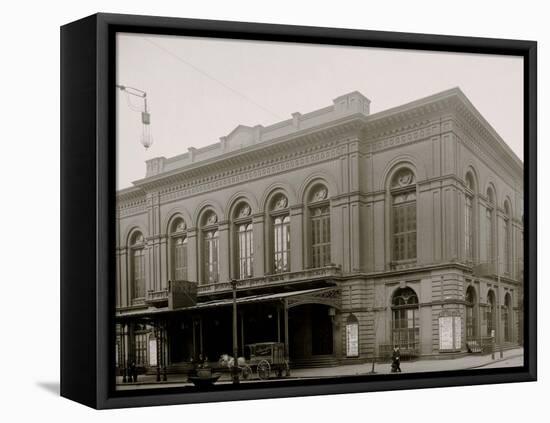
<point x="137" y="265"/>
<point x="178" y="249"/>
<point x="405" y="321"/>
<point x="507" y="238"/>
<point x="507" y="316"/>
<point x="210" y="247"/>
<point x="244" y="241"/>
<point x="471" y="324"/>
<point x="469" y="217"/>
<point x="489" y="226"/>
<point x="491" y="312"/>
<point x="403" y="190"/>
<point x="319" y="212"/>
<point x="280" y="217"/>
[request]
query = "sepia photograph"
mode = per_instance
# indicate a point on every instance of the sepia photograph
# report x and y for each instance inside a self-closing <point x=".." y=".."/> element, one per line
<point x="289" y="211"/>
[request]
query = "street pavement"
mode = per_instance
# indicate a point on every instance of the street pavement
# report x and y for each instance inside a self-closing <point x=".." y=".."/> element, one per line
<point x="511" y="358"/>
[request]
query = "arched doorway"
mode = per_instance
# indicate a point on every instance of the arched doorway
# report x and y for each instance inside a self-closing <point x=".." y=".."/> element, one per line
<point x="405" y="319"/>
<point x="507" y="317"/>
<point x="491" y="313"/>
<point x="471" y="311"/>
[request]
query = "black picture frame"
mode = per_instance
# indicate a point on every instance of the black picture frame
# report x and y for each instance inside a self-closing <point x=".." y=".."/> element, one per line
<point x="88" y="195"/>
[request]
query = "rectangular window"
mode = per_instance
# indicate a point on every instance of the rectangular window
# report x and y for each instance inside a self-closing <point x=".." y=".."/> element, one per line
<point x="141" y="345"/>
<point x="281" y="244"/>
<point x="489" y="237"/>
<point x="406" y="328"/>
<point x="246" y="250"/>
<point x="507" y="249"/>
<point x="470" y="323"/>
<point x="139" y="274"/>
<point x="320" y="237"/>
<point x="180" y="259"/>
<point x="490" y="317"/>
<point x="468" y="230"/>
<point x="404" y="228"/>
<point x="211" y="256"/>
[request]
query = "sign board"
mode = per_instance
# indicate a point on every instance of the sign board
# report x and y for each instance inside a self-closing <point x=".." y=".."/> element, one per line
<point x="450" y="333"/>
<point x="152" y="352"/>
<point x="352" y="340"/>
<point x="458" y="332"/>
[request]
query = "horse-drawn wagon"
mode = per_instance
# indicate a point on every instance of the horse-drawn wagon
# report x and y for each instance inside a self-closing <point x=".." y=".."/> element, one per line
<point x="267" y="357"/>
<point x="261" y="358"/>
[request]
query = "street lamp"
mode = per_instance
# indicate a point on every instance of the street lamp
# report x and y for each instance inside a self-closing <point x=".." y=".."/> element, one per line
<point x="235" y="369"/>
<point x="146" y="136"/>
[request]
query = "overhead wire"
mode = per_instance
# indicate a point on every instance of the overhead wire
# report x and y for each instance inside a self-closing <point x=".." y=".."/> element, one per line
<point x="209" y="76"/>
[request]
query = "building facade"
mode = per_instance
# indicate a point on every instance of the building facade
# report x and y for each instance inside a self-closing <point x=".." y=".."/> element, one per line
<point x="347" y="233"/>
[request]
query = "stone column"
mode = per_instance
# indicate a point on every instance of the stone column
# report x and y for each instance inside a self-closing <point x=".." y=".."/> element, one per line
<point x="192" y="255"/>
<point x="149" y="265"/>
<point x="223" y="252"/>
<point x="259" y="244"/>
<point x="296" y="238"/>
<point x="156" y="282"/>
<point x="123" y="278"/>
<point x="163" y="268"/>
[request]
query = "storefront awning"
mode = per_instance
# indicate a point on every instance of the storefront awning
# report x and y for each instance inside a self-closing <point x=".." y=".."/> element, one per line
<point x="329" y="296"/>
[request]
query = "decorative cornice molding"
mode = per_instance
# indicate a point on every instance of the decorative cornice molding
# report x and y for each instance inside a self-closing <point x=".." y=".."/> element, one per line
<point x="253" y="171"/>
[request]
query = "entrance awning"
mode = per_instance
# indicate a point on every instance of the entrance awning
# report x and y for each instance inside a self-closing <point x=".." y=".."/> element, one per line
<point x="328" y="296"/>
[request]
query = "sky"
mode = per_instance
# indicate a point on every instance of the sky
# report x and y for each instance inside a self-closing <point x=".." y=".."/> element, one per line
<point x="200" y="89"/>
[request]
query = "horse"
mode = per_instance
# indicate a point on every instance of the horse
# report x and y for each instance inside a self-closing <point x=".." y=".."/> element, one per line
<point x="228" y="361"/>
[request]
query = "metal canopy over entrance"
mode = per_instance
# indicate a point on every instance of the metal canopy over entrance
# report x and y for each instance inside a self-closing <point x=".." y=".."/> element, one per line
<point x="204" y="330"/>
<point x="329" y="296"/>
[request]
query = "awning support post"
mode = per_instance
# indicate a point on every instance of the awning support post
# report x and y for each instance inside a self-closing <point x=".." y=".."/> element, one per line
<point x="287" y="341"/>
<point x="278" y="324"/>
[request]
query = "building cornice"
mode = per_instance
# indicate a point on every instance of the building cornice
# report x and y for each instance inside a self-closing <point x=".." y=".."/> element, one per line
<point x="422" y="118"/>
<point x="346" y="126"/>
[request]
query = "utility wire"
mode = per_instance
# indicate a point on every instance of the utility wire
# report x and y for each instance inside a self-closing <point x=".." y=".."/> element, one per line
<point x="206" y="74"/>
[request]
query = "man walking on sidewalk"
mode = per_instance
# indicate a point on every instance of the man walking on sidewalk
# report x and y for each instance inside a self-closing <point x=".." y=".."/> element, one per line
<point x="396" y="360"/>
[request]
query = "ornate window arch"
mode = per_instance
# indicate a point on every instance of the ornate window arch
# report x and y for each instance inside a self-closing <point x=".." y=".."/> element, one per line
<point x="177" y="243"/>
<point x="279" y="214"/>
<point x="210" y="247"/>
<point x="243" y="241"/>
<point x="471" y="310"/>
<point x="403" y="216"/>
<point x="405" y="319"/>
<point x="137" y="265"/>
<point x="319" y="226"/>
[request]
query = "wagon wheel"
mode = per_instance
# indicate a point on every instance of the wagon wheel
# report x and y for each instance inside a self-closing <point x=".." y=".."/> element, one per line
<point x="264" y="369"/>
<point x="246" y="372"/>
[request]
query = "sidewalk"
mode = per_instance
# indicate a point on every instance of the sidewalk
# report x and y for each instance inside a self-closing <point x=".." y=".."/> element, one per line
<point x="468" y="362"/>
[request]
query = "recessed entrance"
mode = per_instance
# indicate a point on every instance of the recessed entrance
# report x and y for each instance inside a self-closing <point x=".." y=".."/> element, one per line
<point x="310" y="331"/>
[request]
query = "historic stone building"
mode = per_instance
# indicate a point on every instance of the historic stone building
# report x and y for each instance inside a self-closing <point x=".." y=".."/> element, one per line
<point x="346" y="231"/>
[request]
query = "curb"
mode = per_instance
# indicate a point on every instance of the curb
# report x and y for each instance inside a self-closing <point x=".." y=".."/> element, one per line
<point x="496" y="361"/>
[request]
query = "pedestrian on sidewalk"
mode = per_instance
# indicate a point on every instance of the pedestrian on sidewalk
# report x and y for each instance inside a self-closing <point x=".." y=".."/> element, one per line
<point x="396" y="360"/>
